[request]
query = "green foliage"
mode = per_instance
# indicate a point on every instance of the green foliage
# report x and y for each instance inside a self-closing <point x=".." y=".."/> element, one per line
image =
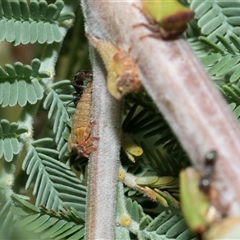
<point x="216" y="26"/>
<point x="9" y="139"/>
<point x="66" y="223"/>
<point x="55" y="185"/>
<point x="144" y="121"/>
<point x="7" y="217"/>
<point x="167" y="225"/>
<point x="47" y="179"/>
<point x="219" y="30"/>
<point x="216" y="18"/>
<point x="49" y="182"/>
<point x="20" y="84"/>
<point x="224" y="60"/>
<point x="36" y="21"/>
<point x="56" y="101"/>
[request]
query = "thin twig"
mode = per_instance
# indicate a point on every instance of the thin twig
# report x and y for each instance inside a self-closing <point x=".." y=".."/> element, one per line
<point x="104" y="163"/>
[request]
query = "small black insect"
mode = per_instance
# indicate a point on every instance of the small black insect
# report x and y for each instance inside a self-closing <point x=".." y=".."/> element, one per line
<point x="206" y="177"/>
<point x="77" y="83"/>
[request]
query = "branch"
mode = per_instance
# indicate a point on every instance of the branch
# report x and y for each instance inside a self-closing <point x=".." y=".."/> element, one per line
<point x="183" y="92"/>
<point x="104" y="162"/>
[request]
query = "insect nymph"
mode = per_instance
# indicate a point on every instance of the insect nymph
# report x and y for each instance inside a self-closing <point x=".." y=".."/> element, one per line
<point x="80" y="139"/>
<point x="122" y="71"/>
<point x="167" y="19"/>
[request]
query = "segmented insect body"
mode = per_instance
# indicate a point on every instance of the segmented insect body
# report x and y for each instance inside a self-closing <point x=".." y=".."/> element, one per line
<point x="122" y="74"/>
<point x="79" y="139"/>
<point x="167" y="18"/>
<point x="77" y="83"/>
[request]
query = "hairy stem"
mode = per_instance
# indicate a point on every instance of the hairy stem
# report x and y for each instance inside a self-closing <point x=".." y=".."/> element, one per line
<point x="184" y="93"/>
<point x="104" y="162"/>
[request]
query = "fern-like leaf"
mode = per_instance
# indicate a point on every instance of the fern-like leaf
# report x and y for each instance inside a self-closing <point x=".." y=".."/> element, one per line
<point x="218" y="23"/>
<point x="150" y="124"/>
<point x="7" y="218"/>
<point x="36" y="21"/>
<point x="67" y="223"/>
<point x="9" y="142"/>
<point x="236" y="110"/>
<point x="165" y="226"/>
<point x="57" y="101"/>
<point x="224" y="61"/>
<point x="55" y="185"/>
<point x="216" y="17"/>
<point x="232" y="94"/>
<point x="163" y="190"/>
<point x="134" y="210"/>
<point x="19" y="84"/>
